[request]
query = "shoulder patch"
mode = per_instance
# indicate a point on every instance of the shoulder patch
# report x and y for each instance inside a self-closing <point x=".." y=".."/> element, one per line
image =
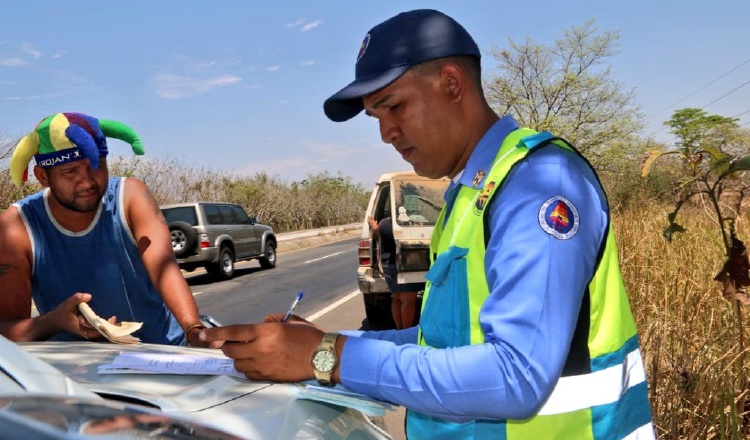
<point x="559" y="217"/>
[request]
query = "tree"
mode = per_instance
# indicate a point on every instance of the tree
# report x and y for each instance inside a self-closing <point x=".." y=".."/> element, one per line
<point x="710" y="149"/>
<point x="707" y="146"/>
<point x="701" y="136"/>
<point x="9" y="193"/>
<point x="568" y="90"/>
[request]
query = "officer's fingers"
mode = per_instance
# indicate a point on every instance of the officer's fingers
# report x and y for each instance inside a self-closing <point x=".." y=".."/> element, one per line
<point x="242" y="332"/>
<point x="274" y="317"/>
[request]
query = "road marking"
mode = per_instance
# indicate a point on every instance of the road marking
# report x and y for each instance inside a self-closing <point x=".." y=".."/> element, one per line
<point x="197" y="293"/>
<point x="320" y="313"/>
<point x="323" y="258"/>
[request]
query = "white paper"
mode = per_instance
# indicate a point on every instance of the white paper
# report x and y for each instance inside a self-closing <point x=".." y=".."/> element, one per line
<point x="170" y="363"/>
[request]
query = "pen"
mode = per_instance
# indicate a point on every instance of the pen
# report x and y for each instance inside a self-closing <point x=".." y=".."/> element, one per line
<point x="292" y="307"/>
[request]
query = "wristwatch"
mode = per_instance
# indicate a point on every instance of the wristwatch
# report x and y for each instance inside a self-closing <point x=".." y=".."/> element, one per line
<point x="324" y="359"/>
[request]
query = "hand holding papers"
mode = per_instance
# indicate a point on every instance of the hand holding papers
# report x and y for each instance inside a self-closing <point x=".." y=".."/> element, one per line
<point x="117" y="333"/>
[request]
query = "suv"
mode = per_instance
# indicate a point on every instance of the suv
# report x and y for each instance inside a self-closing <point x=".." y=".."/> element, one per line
<point x="216" y="235"/>
<point x="414" y="203"/>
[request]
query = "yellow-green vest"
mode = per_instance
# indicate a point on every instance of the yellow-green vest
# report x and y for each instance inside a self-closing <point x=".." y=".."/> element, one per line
<point x="610" y="401"/>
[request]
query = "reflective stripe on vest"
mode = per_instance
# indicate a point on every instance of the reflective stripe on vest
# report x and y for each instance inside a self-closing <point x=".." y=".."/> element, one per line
<point x="598" y="388"/>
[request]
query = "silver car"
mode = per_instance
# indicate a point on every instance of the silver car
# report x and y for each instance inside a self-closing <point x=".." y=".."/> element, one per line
<point x="58" y="384"/>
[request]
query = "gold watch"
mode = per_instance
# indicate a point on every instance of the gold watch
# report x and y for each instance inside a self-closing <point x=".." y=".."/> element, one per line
<point x="324" y="359"/>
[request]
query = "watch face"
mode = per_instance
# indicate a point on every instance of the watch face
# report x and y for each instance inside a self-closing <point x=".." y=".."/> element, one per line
<point x="324" y="361"/>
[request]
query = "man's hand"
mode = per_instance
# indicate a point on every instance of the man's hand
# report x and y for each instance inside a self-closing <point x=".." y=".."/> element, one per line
<point x="269" y="351"/>
<point x="66" y="317"/>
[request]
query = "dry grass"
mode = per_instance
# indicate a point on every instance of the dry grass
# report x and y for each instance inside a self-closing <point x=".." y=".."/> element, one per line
<point x="690" y="335"/>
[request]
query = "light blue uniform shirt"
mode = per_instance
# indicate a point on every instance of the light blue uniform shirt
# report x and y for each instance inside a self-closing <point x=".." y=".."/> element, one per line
<point x="536" y="282"/>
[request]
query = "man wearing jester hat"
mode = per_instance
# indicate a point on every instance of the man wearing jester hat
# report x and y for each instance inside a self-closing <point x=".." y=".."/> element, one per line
<point x="87" y="237"/>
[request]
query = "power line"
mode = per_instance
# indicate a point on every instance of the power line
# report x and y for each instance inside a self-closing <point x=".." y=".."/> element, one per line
<point x="716" y="100"/>
<point x="703" y="87"/>
<point x="727" y="94"/>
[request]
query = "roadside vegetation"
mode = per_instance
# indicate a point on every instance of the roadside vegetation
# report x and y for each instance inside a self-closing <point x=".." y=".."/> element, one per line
<point x="317" y="201"/>
<point x="679" y="215"/>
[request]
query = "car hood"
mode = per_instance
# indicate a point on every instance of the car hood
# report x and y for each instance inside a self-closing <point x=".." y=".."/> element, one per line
<point x="182" y="393"/>
<point x="248" y="409"/>
<point x="22" y="373"/>
<point x="38" y="416"/>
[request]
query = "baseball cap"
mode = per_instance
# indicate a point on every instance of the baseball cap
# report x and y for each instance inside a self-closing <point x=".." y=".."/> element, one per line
<point x="391" y="48"/>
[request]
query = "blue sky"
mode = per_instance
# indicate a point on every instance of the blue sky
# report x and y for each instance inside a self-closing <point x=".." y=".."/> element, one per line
<point x="239" y="85"/>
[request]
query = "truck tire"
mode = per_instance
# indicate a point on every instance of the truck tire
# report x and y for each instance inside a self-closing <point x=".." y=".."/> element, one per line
<point x="184" y="238"/>
<point x="224" y="268"/>
<point x="268" y="260"/>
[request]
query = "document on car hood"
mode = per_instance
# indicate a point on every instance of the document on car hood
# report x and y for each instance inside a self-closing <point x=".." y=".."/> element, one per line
<point x="169" y="363"/>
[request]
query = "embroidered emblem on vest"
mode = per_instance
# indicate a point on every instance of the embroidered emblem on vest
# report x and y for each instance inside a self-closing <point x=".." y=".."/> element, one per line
<point x="478" y="177"/>
<point x="482" y="200"/>
<point x="559" y="217"/>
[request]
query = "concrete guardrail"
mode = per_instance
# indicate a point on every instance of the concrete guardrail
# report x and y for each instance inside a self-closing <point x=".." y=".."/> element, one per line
<point x="317" y="232"/>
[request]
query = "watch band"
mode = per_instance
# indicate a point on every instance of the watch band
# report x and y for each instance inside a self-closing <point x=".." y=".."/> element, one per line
<point x="326" y="355"/>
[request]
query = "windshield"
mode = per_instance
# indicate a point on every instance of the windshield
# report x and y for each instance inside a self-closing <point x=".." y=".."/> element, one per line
<point x="418" y="202"/>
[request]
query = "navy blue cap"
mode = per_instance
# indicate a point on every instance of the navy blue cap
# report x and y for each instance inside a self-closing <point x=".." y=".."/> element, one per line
<point x="391" y="48"/>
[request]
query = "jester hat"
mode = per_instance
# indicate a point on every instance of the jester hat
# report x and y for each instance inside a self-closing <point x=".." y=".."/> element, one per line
<point x="67" y="137"/>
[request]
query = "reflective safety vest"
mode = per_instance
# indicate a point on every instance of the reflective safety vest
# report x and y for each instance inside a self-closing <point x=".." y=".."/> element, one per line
<point x="602" y="393"/>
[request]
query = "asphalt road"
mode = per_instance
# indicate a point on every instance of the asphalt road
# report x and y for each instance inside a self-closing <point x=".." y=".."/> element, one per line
<point x="325" y="273"/>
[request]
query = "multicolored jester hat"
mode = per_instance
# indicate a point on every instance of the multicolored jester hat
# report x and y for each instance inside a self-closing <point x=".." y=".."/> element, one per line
<point x="67" y="137"/>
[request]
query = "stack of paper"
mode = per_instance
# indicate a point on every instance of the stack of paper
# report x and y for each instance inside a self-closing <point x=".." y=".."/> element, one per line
<point x="169" y="363"/>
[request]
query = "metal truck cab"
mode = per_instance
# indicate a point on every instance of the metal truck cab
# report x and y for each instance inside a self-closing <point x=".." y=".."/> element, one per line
<point x="413" y="202"/>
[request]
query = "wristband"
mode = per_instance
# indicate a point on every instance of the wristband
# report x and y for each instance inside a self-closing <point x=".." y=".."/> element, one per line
<point x="192" y="327"/>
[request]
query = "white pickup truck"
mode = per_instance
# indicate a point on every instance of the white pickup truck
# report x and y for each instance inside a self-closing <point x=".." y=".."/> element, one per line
<point x="414" y="203"/>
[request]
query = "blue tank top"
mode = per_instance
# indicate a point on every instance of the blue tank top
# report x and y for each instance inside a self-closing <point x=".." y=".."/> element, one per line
<point x="102" y="260"/>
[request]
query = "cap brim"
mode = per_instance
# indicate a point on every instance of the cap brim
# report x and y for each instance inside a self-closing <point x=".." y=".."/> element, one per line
<point x="347" y="102"/>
